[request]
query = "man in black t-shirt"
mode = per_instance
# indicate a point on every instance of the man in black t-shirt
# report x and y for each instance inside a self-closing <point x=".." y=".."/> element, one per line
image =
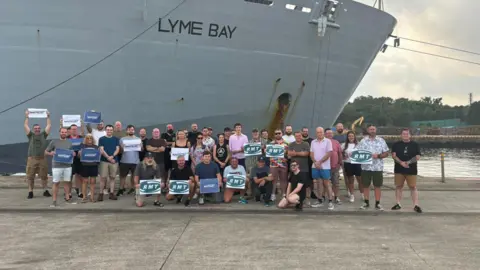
<point x="192" y="135"/>
<point x="182" y="172"/>
<point x="296" y="189"/>
<point x="406" y="153"/>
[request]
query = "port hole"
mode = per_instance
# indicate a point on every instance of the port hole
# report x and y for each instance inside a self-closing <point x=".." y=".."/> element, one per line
<point x="284" y="99"/>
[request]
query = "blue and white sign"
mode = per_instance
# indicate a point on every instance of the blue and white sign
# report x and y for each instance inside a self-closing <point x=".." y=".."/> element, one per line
<point x="63" y="156"/>
<point x="179" y="187"/>
<point x="209" y="185"/>
<point x="90" y="155"/>
<point x="275" y="150"/>
<point x="76" y="143"/>
<point x="150" y="187"/>
<point x="236" y="181"/>
<point x="91" y="117"/>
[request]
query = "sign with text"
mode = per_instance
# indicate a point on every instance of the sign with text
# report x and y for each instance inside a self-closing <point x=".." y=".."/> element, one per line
<point x="76" y="143"/>
<point x="252" y="149"/>
<point x="91" y="117"/>
<point x="71" y="119"/>
<point x="209" y="185"/>
<point x="63" y="156"/>
<point x="361" y="157"/>
<point x="179" y="187"/>
<point x="131" y="145"/>
<point x="236" y="181"/>
<point x="37" y="113"/>
<point x="150" y="187"/>
<point x="90" y="155"/>
<point x="275" y="150"/>
<point x="176" y="152"/>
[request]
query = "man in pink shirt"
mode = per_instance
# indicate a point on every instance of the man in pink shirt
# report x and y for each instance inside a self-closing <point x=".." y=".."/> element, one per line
<point x="236" y="142"/>
<point x="336" y="162"/>
<point x="320" y="152"/>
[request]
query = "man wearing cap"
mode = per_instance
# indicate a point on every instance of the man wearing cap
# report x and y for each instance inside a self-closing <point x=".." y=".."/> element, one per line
<point x="148" y="169"/>
<point x="261" y="181"/>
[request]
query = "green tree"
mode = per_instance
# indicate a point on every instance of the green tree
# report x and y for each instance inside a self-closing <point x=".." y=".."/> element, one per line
<point x="473" y="116"/>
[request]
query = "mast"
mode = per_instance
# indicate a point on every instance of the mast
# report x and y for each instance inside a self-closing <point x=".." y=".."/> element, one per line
<point x="380" y="5"/>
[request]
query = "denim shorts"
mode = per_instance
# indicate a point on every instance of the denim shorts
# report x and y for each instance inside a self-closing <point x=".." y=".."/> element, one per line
<point x="320" y="174"/>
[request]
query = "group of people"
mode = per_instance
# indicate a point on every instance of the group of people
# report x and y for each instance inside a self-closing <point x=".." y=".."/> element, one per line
<point x="307" y="175"/>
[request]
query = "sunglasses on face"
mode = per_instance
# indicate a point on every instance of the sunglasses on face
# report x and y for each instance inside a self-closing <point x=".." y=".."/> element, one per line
<point x="199" y="138"/>
<point x="278" y="133"/>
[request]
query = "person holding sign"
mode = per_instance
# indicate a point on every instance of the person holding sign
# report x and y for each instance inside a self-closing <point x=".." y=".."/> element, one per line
<point x="206" y="170"/>
<point x="76" y="140"/>
<point x="351" y="171"/>
<point x="182" y="172"/>
<point x="278" y="166"/>
<point x="36" y="161"/>
<point x="373" y="172"/>
<point x="296" y="189"/>
<point x="234" y="169"/>
<point x="90" y="158"/>
<point x="131" y="147"/>
<point x="61" y="164"/>
<point x="148" y="169"/>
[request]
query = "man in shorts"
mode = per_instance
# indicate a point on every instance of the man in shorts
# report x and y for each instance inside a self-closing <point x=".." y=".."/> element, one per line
<point x="373" y="172"/>
<point x="129" y="162"/>
<point x="336" y="162"/>
<point x="320" y="152"/>
<point x="406" y="153"/>
<point x="61" y="172"/>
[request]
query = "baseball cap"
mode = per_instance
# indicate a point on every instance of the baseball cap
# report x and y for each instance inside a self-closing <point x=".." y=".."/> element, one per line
<point x="261" y="158"/>
<point x="149" y="155"/>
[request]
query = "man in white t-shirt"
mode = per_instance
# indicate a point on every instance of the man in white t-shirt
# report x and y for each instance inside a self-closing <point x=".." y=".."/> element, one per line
<point x="234" y="168"/>
<point x="288" y="138"/>
<point x="98" y="132"/>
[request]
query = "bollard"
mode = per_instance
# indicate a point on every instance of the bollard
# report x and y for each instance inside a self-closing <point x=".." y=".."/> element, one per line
<point x="442" y="162"/>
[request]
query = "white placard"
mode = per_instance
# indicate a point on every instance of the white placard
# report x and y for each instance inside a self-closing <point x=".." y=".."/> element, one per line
<point x="176" y="152"/>
<point x="37" y="113"/>
<point x="130" y="145"/>
<point x="71" y="119"/>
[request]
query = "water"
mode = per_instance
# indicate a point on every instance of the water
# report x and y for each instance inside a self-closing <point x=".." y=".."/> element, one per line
<point x="459" y="163"/>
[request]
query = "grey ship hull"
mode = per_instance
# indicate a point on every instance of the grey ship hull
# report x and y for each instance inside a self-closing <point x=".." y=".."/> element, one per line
<point x="180" y="78"/>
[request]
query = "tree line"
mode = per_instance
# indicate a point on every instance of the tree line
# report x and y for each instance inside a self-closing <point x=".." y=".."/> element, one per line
<point x="385" y="111"/>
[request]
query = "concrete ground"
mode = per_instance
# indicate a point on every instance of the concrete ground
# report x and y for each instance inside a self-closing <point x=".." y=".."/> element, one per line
<point x="117" y="235"/>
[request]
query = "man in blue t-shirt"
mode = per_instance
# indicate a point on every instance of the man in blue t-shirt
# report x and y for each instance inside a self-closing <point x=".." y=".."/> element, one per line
<point x="109" y="146"/>
<point x="206" y="170"/>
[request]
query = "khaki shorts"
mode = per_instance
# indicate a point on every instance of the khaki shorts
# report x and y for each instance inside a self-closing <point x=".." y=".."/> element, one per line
<point x="37" y="165"/>
<point x="108" y="169"/>
<point x="401" y="178"/>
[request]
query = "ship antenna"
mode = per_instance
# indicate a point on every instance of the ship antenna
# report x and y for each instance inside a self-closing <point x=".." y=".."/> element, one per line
<point x="380" y="5"/>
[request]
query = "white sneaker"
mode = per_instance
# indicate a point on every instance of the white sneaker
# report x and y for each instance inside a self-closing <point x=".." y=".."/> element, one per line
<point x="89" y="194"/>
<point x="330" y="206"/>
<point x="352" y="198"/>
<point x="349" y="194"/>
<point x="337" y="201"/>
<point x="200" y="201"/>
<point x="273" y="197"/>
<point x="195" y="196"/>
<point x="316" y="204"/>
<point x="105" y="192"/>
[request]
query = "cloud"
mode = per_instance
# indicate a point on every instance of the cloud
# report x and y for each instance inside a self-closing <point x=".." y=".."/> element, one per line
<point x="398" y="73"/>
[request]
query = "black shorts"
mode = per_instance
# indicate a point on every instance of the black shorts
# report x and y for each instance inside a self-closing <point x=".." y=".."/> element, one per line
<point x="308" y="179"/>
<point x="125" y="168"/>
<point x="76" y="166"/>
<point x="352" y="169"/>
<point x="89" y="171"/>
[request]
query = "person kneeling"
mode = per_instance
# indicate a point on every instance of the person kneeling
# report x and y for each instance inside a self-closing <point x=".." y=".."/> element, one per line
<point x="234" y="168"/>
<point x="296" y="189"/>
<point x="147" y="170"/>
<point x="182" y="172"/>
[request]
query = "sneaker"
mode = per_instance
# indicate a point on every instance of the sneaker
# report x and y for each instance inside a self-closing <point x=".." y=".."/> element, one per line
<point x="100" y="197"/>
<point x="268" y="204"/>
<point x="30" y="195"/>
<point x="364" y="206"/>
<point x="337" y="201"/>
<point x="397" y="207"/>
<point x="243" y="200"/>
<point x="46" y="194"/>
<point x="298" y="207"/>
<point x="417" y="209"/>
<point x="54" y="204"/>
<point x="89" y="194"/>
<point x="330" y="206"/>
<point x="131" y="191"/>
<point x="187" y="202"/>
<point x="80" y="195"/>
<point x="120" y="192"/>
<point x="179" y="199"/>
<point x="273" y="198"/>
<point x="307" y="204"/>
<point x="105" y="191"/>
<point x="348" y="194"/>
<point x="352" y="198"/>
<point x="379" y="207"/>
<point x="157" y="203"/>
<point x="317" y="204"/>
<point x="201" y="201"/>
<point x="112" y="197"/>
<point x="195" y="196"/>
<point x="258" y="198"/>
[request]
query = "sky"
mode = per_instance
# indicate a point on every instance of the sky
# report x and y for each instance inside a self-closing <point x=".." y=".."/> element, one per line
<point x="397" y="73"/>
